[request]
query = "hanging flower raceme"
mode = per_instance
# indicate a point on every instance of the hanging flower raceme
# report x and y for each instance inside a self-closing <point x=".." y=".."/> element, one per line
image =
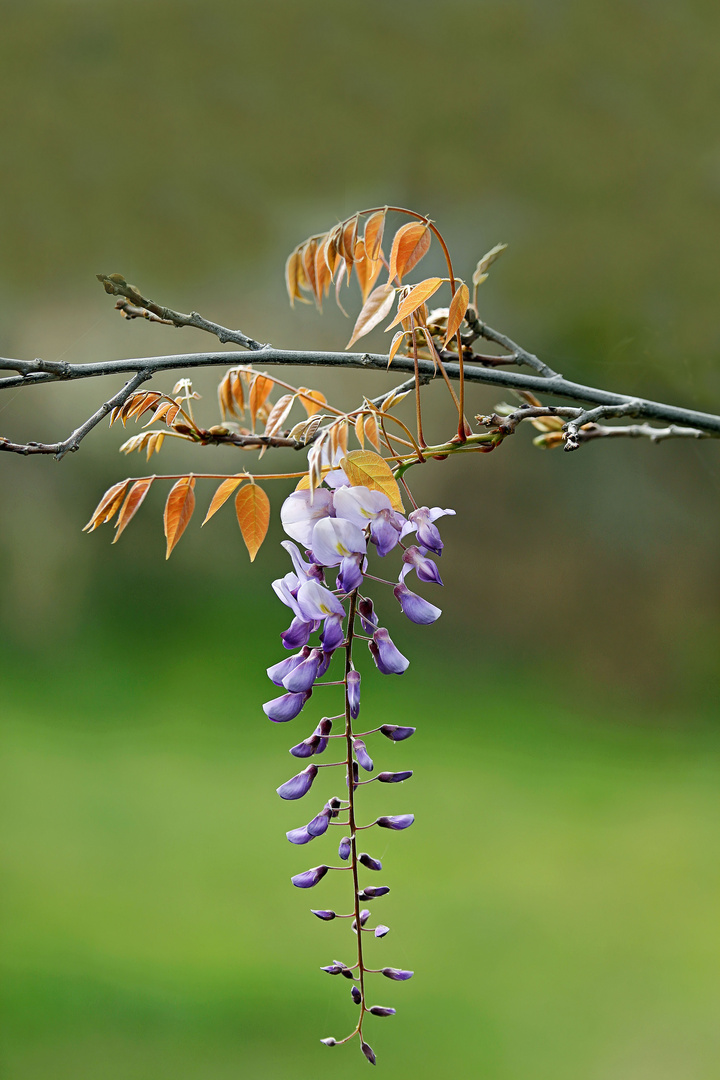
<point x="339" y="526"/>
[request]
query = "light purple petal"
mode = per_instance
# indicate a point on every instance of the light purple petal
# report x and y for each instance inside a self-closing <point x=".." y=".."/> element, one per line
<point x="324" y="914"/>
<point x="362" y="755"/>
<point x="368" y="861"/>
<point x="397" y="733"/>
<point x="398" y="974"/>
<point x="385" y="531"/>
<point x="287" y="707"/>
<point x="335" y="538"/>
<point x="278" y="671"/>
<point x="425" y="568"/>
<point x="299" y="836"/>
<point x="381" y="931"/>
<point x="372" y="892"/>
<point x="368" y="618"/>
<point x="396" y="821"/>
<point x="351" y="573"/>
<point x="389" y="659"/>
<point x="344" y="848"/>
<point x="302" y="510"/>
<point x="353" y="693"/>
<point x="414" y="607"/>
<point x="319" y="823"/>
<point x="298" y="633"/>
<point x="333" y="635"/>
<point x="301" y="678"/>
<point x="309" y="878"/>
<point x="285" y="589"/>
<point x="298" y="785"/>
<point x="394" y="777"/>
<point x="316" y="602"/>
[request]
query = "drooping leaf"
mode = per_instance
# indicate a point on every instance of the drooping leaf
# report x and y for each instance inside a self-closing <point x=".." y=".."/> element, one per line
<point x="259" y="392"/>
<point x="323" y="277"/>
<point x="339" y="437"/>
<point x="131" y="505"/>
<point x="486" y="262"/>
<point x="376" y="307"/>
<point x="348" y="244"/>
<point x="371" y="432"/>
<point x="222" y="494"/>
<point x="311" y="400"/>
<point x="456" y="314"/>
<point x="253" y="513"/>
<point x="108" y="506"/>
<point x="415" y="299"/>
<point x="154" y="446"/>
<point x="365" y="469"/>
<point x="178" y="511"/>
<point x="359" y="432"/>
<point x="396" y="343"/>
<point x="411" y="242"/>
<point x="309" y="266"/>
<point x="295" y="277"/>
<point x="330" y="248"/>
<point x="279" y="413"/>
<point x="374" y="228"/>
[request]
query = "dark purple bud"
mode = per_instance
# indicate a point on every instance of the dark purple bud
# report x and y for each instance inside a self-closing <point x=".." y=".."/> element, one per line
<point x="389" y="660"/>
<point x="326" y="916"/>
<point x="277" y="672"/>
<point x="323" y="730"/>
<point x="381" y="931"/>
<point x="344" y="849"/>
<point x="319" y="824"/>
<point x="307" y="747"/>
<point x="301" y="678"/>
<point x="356" y="774"/>
<point x="372" y="892"/>
<point x="381" y="1010"/>
<point x="308" y="878"/>
<point x="368" y="1052"/>
<point x="413" y="606"/>
<point x="329" y="1041"/>
<point x="397" y="734"/>
<point x="298" y="785"/>
<point x="394" y="777"/>
<point x="332" y="969"/>
<point x="397" y="821"/>
<point x="369" y="862"/>
<point x="353" y="693"/>
<point x="297" y="634"/>
<point x="332" y="636"/>
<point x="368" y="618"/>
<point x="397" y="974"/>
<point x="299" y="836"/>
<point x="362" y="755"/>
<point x="324" y="664"/>
<point x="287" y="707"/>
<point x="364" y="916"/>
<point x="333" y="806"/>
<point x="355" y="994"/>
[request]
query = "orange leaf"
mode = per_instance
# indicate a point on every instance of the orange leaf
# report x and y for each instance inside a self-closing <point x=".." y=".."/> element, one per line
<point x="365" y="469"/>
<point x="311" y="400"/>
<point x="279" y="413"/>
<point x="359" y="433"/>
<point x="309" y="267"/>
<point x="295" y="278"/>
<point x="374" y="228"/>
<point x="375" y="309"/>
<point x="178" y="511"/>
<point x="107" y="506"/>
<point x="411" y="242"/>
<point x="259" y="392"/>
<point x="456" y="314"/>
<point x="253" y="513"/>
<point x="222" y="495"/>
<point x="415" y="299"/>
<point x="131" y="505"/>
<point x="396" y="343"/>
<point x="323" y="277"/>
<point x="371" y="432"/>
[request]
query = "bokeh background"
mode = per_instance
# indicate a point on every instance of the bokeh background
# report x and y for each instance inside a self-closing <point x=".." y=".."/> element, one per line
<point x="558" y="894"/>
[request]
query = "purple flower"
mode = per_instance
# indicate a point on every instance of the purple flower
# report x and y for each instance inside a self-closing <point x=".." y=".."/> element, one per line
<point x="287" y="707"/>
<point x="350" y="575"/>
<point x="307" y="747"/>
<point x="316" y="602"/>
<point x="369" y="862"/>
<point x="381" y="931"/>
<point x="372" y="892"/>
<point x="353" y="693"/>
<point x="297" y="634"/>
<point x="325" y="658"/>
<point x="365" y="507"/>
<point x="329" y="1041"/>
<point x="298" y="785"/>
<point x="362" y="755"/>
<point x="381" y="1010"/>
<point x="355" y="994"/>
<point x="326" y="916"/>
<point x="344" y="848"/>
<point x="397" y="734"/>
<point x="301" y="677"/>
<point x="323" y="730"/>
<point x="420" y="521"/>
<point x="368" y="618"/>
<point x="364" y="916"/>
<point x="332" y="969"/>
<point x="394" y="777"/>
<point x="277" y="672"/>
<point x="299" y="836"/>
<point x="332" y="636"/>
<point x="309" y="878"/>
<point x="396" y="822"/>
<point x="397" y="974"/>
<point x="389" y="660"/>
<point x="385" y="531"/>
<point x="425" y="568"/>
<point x="319" y="823"/>
<point x="416" y="609"/>
<point x="334" y="539"/>
<point x="368" y="1052"/>
<point x="303" y="570"/>
<point x="301" y="511"/>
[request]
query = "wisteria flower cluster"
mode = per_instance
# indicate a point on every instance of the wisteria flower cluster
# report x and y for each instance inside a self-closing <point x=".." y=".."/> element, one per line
<point x="336" y="525"/>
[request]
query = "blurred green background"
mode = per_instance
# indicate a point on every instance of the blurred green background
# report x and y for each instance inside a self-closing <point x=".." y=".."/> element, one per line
<point x="558" y="894"/>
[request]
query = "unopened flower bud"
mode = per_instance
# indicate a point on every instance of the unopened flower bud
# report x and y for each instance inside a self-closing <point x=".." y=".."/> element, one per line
<point x="394" y="777"/>
<point x="364" y="916"/>
<point x="353" y="693"/>
<point x="381" y="1010"/>
<point x="287" y="707"/>
<point x="413" y="606"/>
<point x="325" y="915"/>
<point x="396" y="821"/>
<point x="396" y="733"/>
<point x="355" y="994"/>
<point x="381" y="931"/>
<point x="388" y="658"/>
<point x="368" y="1052"/>
<point x="299" y="836"/>
<point x="319" y="823"/>
<point x="329" y="1041"/>
<point x="369" y="862"/>
<point x="306" y="748"/>
<point x="309" y="878"/>
<point x="368" y="618"/>
<point x="397" y="974"/>
<point x="298" y="785"/>
<point x="344" y="848"/>
<point x="362" y="755"/>
<point x="372" y="892"/>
